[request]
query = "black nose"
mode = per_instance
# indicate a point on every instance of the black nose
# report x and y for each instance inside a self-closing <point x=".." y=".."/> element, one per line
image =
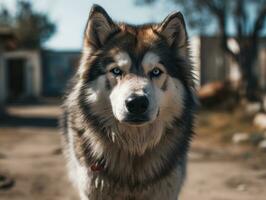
<point x="137" y="104"/>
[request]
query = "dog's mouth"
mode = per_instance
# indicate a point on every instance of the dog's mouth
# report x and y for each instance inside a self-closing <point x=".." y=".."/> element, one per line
<point x="138" y="120"/>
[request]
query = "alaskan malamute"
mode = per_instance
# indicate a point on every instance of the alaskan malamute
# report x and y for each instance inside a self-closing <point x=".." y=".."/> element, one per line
<point x="128" y="115"/>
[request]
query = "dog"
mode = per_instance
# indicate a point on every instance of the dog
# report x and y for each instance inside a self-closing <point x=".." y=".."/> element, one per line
<point x="129" y="111"/>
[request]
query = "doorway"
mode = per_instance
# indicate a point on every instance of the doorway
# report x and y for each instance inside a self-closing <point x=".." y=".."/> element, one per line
<point x="16" y="79"/>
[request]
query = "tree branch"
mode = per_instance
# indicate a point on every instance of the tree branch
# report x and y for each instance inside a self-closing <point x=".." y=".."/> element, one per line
<point x="220" y="13"/>
<point x="259" y="22"/>
<point x="240" y="18"/>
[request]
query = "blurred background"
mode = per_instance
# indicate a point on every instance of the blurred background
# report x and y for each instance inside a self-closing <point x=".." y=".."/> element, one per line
<point x="40" y="46"/>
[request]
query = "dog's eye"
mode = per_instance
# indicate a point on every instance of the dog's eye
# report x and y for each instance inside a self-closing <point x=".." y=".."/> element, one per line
<point x="116" y="71"/>
<point x="156" y="72"/>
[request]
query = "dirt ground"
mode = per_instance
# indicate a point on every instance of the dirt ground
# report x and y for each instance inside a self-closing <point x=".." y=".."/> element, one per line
<point x="30" y="155"/>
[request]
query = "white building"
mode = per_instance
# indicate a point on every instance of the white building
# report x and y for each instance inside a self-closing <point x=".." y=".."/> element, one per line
<point x="20" y="75"/>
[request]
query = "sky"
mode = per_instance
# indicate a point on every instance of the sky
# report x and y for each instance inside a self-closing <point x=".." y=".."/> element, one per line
<point x="70" y="16"/>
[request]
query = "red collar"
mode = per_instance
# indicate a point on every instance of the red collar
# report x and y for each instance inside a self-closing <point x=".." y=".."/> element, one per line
<point x="96" y="168"/>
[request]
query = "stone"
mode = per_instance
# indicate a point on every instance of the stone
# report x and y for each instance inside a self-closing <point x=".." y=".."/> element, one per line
<point x="241" y="187"/>
<point x="252" y="108"/>
<point x="262" y="145"/>
<point x="260" y="121"/>
<point x="240" y="138"/>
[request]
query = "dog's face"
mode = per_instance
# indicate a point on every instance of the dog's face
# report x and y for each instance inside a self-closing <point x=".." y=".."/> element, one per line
<point x="137" y="72"/>
<point x="133" y="80"/>
<point x="136" y="87"/>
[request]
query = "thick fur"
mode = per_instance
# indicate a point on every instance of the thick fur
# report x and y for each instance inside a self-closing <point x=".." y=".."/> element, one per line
<point x="144" y="161"/>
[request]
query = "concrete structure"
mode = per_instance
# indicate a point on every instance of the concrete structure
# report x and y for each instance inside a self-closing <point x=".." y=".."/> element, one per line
<point x="32" y="73"/>
<point x="20" y="75"/>
<point x="262" y="64"/>
<point x="58" y="68"/>
<point x="212" y="64"/>
<point x="6" y="37"/>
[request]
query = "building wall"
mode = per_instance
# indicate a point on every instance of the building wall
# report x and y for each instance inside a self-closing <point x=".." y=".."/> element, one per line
<point x="213" y="62"/>
<point x="215" y="65"/>
<point x="262" y="67"/>
<point x="58" y="68"/>
<point x="46" y="73"/>
<point x="33" y="74"/>
<point x="2" y="80"/>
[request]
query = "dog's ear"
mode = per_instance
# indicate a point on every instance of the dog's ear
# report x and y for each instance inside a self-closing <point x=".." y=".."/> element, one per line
<point x="173" y="29"/>
<point x="99" y="27"/>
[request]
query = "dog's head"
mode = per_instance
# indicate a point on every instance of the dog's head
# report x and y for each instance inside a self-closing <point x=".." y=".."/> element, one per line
<point x="135" y="74"/>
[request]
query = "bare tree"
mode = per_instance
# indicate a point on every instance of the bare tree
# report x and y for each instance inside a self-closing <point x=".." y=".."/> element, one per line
<point x="248" y="16"/>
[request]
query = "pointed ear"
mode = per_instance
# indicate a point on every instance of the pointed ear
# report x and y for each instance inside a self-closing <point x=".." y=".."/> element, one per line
<point x="99" y="27"/>
<point x="173" y="29"/>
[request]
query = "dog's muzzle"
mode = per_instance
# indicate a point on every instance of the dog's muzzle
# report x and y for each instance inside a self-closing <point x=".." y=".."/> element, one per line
<point x="137" y="107"/>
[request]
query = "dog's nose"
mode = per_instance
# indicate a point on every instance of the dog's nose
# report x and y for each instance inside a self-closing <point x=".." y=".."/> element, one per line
<point x="137" y="104"/>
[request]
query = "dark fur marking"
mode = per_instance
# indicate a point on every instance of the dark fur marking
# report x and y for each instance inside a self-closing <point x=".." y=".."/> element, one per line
<point x="98" y="67"/>
<point x="64" y="126"/>
<point x="107" y="84"/>
<point x="164" y="86"/>
<point x="95" y="71"/>
<point x="80" y="132"/>
<point x="95" y="121"/>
